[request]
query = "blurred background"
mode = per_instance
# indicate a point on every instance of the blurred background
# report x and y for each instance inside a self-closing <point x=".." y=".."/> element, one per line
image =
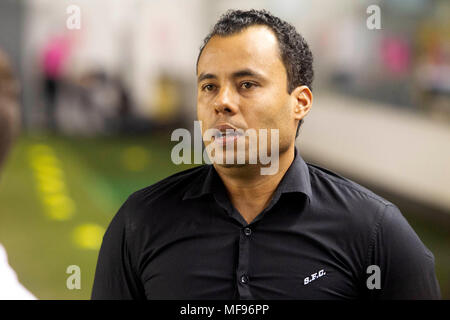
<point x="99" y="103"/>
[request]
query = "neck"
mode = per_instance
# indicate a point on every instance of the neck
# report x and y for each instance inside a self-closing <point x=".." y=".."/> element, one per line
<point x="249" y="191"/>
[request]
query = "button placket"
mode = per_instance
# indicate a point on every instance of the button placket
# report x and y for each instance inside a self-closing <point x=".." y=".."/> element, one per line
<point x="242" y="276"/>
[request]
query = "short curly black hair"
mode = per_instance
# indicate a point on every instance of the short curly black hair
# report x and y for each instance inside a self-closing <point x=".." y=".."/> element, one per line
<point x="294" y="50"/>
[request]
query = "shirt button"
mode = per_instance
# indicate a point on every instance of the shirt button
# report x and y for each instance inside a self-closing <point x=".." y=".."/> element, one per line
<point x="244" y="278"/>
<point x="247" y="231"/>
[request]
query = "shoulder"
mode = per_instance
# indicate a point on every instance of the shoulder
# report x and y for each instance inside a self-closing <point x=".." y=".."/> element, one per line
<point x="347" y="200"/>
<point x="327" y="180"/>
<point x="374" y="223"/>
<point x="363" y="210"/>
<point x="166" y="192"/>
<point x="173" y="186"/>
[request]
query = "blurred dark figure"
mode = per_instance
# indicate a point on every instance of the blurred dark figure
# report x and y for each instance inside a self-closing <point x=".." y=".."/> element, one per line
<point x="54" y="55"/>
<point x="98" y="102"/>
<point x="106" y="95"/>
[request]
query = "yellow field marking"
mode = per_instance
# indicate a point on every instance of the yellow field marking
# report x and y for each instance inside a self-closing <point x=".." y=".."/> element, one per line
<point x="88" y="236"/>
<point x="50" y="183"/>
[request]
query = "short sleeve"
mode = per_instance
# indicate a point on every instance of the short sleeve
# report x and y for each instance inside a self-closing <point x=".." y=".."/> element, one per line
<point x="407" y="267"/>
<point x="115" y="277"/>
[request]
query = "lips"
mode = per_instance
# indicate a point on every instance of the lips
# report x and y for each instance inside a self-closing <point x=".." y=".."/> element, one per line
<point x="227" y="133"/>
<point x="224" y="127"/>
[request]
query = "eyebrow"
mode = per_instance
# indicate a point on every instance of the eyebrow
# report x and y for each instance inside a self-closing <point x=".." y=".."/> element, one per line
<point x="236" y="74"/>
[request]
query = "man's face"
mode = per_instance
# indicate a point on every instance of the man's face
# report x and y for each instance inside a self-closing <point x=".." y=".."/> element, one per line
<point x="242" y="82"/>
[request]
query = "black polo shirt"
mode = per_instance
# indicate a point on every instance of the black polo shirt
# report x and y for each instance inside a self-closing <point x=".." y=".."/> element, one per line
<point x="181" y="238"/>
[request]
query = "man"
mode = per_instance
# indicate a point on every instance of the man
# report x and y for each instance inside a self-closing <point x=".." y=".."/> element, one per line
<point x="10" y="287"/>
<point x="226" y="231"/>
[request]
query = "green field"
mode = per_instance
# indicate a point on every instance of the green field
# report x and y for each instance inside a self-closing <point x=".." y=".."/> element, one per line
<point x="97" y="175"/>
<point x="58" y="194"/>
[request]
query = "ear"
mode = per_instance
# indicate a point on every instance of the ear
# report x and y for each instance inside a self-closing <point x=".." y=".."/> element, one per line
<point x="303" y="101"/>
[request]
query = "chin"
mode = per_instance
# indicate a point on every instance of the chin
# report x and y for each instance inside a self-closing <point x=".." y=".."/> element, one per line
<point x="232" y="165"/>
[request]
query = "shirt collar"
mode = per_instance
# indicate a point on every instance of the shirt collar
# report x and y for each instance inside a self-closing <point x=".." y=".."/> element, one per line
<point x="295" y="180"/>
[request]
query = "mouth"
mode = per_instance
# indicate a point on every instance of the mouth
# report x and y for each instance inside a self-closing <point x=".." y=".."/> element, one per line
<point x="227" y="134"/>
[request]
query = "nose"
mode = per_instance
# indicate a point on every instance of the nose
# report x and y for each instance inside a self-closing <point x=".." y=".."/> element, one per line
<point x="224" y="102"/>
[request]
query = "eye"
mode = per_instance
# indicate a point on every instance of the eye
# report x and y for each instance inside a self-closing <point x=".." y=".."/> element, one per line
<point x="247" y="85"/>
<point x="208" y="87"/>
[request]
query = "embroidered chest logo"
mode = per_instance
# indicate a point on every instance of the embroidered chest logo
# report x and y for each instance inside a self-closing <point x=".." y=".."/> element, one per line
<point x="314" y="276"/>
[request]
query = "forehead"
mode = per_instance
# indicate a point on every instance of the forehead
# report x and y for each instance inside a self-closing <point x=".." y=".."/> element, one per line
<point x="253" y="47"/>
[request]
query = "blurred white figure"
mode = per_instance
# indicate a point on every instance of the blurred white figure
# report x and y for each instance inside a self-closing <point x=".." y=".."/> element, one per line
<point x="10" y="287"/>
